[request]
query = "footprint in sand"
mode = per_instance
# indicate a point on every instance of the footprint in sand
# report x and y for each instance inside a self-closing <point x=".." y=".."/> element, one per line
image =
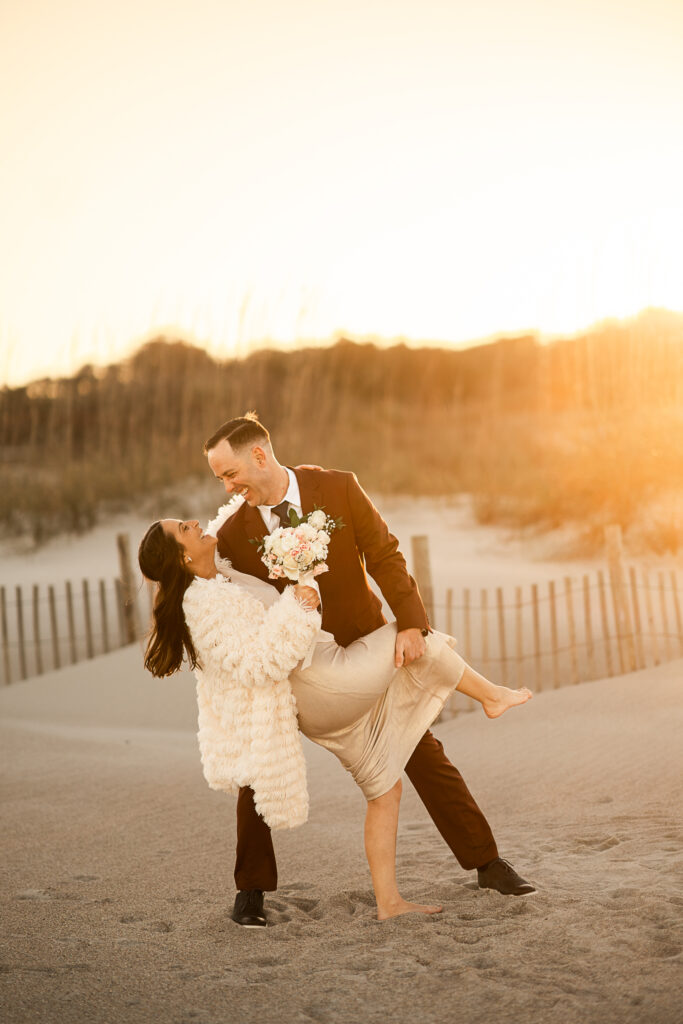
<point x="288" y="908"/>
<point x="33" y="894"/>
<point x="164" y="927"/>
<point x="301" y="903"/>
<point x="317" y="1013"/>
<point x="664" y="950"/>
<point x="267" y="961"/>
<point x="152" y="926"/>
<point x="598" y="845"/>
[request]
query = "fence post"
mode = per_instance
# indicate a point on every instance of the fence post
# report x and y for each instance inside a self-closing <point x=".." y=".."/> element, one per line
<point x="103" y="617"/>
<point x="89" y="647"/>
<point x="651" y="624"/>
<point x="573" y="656"/>
<point x="501" y="635"/>
<point x="20" y="633"/>
<point x="120" y="614"/>
<point x="423" y="573"/>
<point x="677" y="610"/>
<point x="5" y="636"/>
<point x="130" y="606"/>
<point x="665" y="617"/>
<point x="622" y="611"/>
<point x="485" y="632"/>
<point x="56" y="660"/>
<point x="589" y="628"/>
<point x="605" y="622"/>
<point x="519" y="636"/>
<point x="38" y="652"/>
<point x="554" y="643"/>
<point x="537" y="636"/>
<point x="637" y="624"/>
<point x="71" y="622"/>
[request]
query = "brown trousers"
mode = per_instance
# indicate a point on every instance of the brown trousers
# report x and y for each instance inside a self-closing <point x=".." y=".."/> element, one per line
<point x="439" y="785"/>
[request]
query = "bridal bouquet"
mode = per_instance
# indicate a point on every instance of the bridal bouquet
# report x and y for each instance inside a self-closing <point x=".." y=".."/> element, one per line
<point x="298" y="552"/>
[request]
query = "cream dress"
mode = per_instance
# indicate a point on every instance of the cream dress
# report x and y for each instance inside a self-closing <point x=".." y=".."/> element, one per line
<point x="356" y="703"/>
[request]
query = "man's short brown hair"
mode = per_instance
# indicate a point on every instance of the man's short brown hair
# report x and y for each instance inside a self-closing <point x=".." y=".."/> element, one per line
<point x="240" y="432"/>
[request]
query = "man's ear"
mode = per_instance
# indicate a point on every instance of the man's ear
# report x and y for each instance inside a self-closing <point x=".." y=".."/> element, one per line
<point x="258" y="455"/>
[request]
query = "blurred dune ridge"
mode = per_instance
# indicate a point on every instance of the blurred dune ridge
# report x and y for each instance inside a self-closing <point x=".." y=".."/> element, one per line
<point x="586" y="430"/>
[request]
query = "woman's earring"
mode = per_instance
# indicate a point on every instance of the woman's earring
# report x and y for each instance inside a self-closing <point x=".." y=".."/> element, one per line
<point x="188" y="559"/>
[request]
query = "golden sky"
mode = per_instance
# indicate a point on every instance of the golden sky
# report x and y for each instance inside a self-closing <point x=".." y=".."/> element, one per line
<point x="245" y="170"/>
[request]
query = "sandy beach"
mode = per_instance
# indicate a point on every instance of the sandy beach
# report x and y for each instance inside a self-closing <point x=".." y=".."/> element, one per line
<point x="117" y="868"/>
<point x="463" y="551"/>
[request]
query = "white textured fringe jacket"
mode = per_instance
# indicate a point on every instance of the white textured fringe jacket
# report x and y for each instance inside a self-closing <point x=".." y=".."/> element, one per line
<point x="248" y="733"/>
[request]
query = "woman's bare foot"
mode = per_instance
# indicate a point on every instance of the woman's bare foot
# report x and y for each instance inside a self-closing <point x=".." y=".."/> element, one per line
<point x="505" y="698"/>
<point x="403" y="907"/>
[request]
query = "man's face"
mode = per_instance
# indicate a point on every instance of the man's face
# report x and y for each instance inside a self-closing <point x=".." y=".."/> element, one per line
<point x="241" y="472"/>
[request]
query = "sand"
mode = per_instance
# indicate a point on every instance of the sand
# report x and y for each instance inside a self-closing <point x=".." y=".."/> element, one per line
<point x="116" y="868"/>
<point x="463" y="553"/>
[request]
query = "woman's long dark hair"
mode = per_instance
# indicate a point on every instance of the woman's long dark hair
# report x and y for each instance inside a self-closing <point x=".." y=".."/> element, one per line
<point x="160" y="557"/>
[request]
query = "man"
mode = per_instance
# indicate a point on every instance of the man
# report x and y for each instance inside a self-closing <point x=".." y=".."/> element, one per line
<point x="240" y="454"/>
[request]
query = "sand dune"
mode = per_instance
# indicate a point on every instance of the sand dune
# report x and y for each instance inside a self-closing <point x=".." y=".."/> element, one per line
<point x="117" y="868"/>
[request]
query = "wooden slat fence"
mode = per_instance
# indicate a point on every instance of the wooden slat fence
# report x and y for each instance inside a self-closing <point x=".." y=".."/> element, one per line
<point x="72" y="621"/>
<point x="49" y="627"/>
<point x="543" y="635"/>
<point x="562" y="632"/>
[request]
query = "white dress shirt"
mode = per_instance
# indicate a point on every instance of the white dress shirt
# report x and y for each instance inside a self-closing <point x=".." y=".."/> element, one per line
<point x="293" y="496"/>
<point x="271" y="519"/>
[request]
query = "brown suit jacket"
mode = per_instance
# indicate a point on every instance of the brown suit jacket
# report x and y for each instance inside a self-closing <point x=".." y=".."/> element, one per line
<point x="363" y="545"/>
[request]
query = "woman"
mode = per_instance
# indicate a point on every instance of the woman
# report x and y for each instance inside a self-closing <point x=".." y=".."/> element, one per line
<point x="261" y="660"/>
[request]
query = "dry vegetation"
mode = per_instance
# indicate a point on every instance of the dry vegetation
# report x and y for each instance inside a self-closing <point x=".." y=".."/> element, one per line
<point x="587" y="430"/>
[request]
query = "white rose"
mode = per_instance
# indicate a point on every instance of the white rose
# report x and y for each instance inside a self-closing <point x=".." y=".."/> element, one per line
<point x="290" y="564"/>
<point x="317" y="519"/>
<point x="324" y="539"/>
<point x="275" y="547"/>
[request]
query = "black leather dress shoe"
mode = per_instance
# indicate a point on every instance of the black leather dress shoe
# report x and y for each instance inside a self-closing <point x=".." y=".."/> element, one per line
<point x="502" y="877"/>
<point x="248" y="909"/>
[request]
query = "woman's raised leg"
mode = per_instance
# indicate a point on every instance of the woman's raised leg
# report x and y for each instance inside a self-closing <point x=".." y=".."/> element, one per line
<point x="381" y="826"/>
<point x="494" y="699"/>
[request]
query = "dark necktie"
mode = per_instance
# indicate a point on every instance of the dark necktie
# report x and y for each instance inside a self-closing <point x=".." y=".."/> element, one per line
<point x="282" y="512"/>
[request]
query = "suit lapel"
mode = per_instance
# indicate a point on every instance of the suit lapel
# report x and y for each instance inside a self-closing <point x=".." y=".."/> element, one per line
<point x="309" y="489"/>
<point x="312" y="497"/>
<point x="252" y="523"/>
<point x="245" y="555"/>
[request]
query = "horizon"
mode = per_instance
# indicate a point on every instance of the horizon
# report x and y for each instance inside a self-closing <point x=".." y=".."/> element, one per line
<point x="240" y="173"/>
<point x="171" y="337"/>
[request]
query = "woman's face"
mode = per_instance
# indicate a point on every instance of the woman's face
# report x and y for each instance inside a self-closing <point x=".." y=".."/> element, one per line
<point x="195" y="543"/>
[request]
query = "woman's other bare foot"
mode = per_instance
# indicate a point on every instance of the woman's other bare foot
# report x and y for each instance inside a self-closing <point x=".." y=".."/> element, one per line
<point x="504" y="699"/>
<point x="403" y="907"/>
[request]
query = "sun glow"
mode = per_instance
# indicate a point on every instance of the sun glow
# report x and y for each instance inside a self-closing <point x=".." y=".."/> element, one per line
<point x="383" y="173"/>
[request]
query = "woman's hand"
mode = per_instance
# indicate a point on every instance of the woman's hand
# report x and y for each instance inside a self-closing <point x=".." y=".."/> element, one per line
<point x="307" y="596"/>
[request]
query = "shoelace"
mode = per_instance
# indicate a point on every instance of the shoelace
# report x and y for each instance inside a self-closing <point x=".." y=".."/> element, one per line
<point x="508" y="867"/>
